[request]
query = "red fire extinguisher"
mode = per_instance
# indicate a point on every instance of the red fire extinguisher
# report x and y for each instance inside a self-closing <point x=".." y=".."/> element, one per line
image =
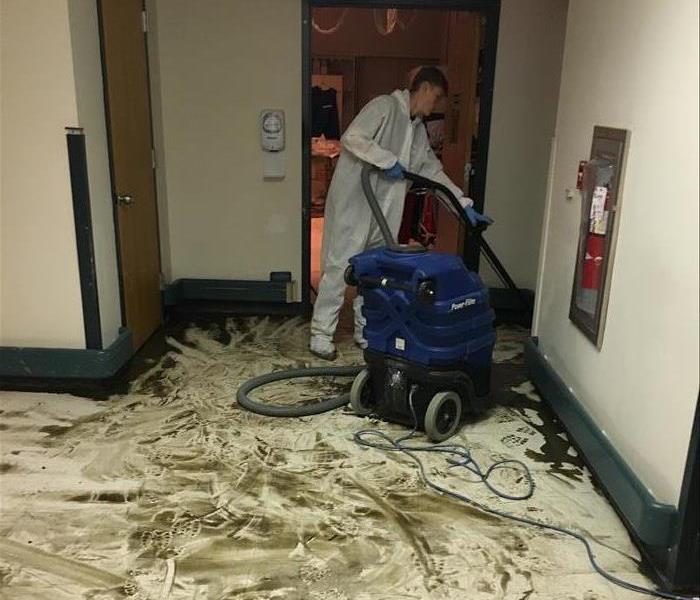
<point x="593" y="261"/>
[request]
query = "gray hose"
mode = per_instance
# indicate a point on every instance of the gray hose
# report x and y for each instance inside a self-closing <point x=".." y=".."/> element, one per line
<point x="277" y="410"/>
<point x="374" y="205"/>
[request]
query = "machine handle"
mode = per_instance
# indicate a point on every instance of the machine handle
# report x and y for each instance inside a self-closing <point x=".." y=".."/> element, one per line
<point x="444" y="195"/>
<point x="447" y="198"/>
<point x="425" y="290"/>
<point x="384" y="282"/>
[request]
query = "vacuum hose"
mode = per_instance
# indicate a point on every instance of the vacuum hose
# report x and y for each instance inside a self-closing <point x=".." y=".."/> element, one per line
<point x="374" y="206"/>
<point x="278" y="410"/>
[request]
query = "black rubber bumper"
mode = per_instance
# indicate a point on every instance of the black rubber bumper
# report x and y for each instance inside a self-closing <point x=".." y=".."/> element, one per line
<point x="393" y="380"/>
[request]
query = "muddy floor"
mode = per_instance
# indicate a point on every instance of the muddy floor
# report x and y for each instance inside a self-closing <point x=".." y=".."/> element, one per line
<point x="173" y="492"/>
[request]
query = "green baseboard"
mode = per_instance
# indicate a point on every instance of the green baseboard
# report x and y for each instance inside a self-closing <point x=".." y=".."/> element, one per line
<point x="66" y="363"/>
<point x="653" y="522"/>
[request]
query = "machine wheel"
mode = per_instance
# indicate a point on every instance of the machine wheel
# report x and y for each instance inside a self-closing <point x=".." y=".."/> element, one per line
<point x="443" y="416"/>
<point x="361" y="394"/>
<point x="349" y="276"/>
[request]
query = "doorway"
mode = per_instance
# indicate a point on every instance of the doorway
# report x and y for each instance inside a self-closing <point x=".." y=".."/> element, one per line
<point x="355" y="52"/>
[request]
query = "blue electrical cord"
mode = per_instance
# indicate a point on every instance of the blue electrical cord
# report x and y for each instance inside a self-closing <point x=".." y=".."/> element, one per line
<point x="467" y="461"/>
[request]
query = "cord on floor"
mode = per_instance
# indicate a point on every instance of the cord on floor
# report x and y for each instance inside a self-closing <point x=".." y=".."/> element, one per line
<point x="464" y="459"/>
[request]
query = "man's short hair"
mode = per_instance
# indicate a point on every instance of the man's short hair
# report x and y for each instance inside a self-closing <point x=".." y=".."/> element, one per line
<point x="432" y="75"/>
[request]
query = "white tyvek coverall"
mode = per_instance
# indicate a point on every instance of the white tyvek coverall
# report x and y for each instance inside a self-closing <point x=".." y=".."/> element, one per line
<point x="380" y="134"/>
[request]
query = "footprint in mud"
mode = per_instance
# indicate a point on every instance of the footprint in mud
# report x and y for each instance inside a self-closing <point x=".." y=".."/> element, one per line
<point x="514" y="441"/>
<point x="337" y="527"/>
<point x="503" y="416"/>
<point x="187" y="526"/>
<point x="314" y="570"/>
<point x="149" y="499"/>
<point x="407" y="481"/>
<point x="160" y="542"/>
<point x="133" y="591"/>
<point x="332" y="594"/>
<point x="526" y="430"/>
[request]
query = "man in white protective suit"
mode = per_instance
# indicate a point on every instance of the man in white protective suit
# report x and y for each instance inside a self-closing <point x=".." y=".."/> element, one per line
<point x="389" y="134"/>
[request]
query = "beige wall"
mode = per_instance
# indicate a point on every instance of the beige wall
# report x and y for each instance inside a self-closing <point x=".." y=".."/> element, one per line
<point x="220" y="219"/>
<point x="219" y="64"/>
<point x="1" y="294"/>
<point x="91" y="116"/>
<point x="528" y="70"/>
<point x="158" y="139"/>
<point x="632" y="64"/>
<point x="38" y="264"/>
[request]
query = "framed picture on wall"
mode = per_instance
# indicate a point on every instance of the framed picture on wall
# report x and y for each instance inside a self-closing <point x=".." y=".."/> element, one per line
<point x="600" y="210"/>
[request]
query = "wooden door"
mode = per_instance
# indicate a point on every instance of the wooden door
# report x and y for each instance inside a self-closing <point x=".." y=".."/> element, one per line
<point x="133" y="183"/>
<point x="463" y="42"/>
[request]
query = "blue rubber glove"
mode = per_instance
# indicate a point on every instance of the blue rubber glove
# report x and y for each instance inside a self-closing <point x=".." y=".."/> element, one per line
<point x="476" y="217"/>
<point x="395" y="172"/>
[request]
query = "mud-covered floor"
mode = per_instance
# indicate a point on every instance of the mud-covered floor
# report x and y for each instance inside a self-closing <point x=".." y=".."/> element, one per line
<point x="173" y="492"/>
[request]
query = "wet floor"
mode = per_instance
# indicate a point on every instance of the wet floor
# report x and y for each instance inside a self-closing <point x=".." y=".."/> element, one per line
<point x="171" y="491"/>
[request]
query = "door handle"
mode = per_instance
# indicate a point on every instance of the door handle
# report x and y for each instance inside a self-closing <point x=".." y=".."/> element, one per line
<point x="125" y="199"/>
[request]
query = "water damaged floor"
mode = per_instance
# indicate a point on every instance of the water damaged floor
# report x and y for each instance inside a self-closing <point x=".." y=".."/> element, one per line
<point x="171" y="491"/>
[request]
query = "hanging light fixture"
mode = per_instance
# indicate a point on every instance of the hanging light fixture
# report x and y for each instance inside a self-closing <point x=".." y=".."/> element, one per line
<point x="385" y="26"/>
<point x="387" y="21"/>
<point x="334" y="28"/>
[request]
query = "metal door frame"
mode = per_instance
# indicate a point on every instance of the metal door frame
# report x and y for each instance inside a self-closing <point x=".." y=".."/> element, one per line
<point x="490" y="10"/>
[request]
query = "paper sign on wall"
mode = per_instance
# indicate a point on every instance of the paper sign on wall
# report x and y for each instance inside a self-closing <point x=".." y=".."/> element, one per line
<point x="599" y="216"/>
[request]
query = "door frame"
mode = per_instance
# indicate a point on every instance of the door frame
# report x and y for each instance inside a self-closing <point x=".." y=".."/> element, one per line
<point x="490" y="10"/>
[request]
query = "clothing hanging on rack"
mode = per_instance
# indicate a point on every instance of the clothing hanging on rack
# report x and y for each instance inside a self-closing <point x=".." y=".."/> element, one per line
<point x="324" y="113"/>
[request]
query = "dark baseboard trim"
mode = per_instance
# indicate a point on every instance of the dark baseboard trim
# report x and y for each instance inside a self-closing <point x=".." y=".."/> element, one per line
<point x="651" y="521"/>
<point x="507" y="299"/>
<point x="227" y="290"/>
<point x="230" y="297"/>
<point x="66" y="363"/>
<point x="193" y="309"/>
<point x="509" y="307"/>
